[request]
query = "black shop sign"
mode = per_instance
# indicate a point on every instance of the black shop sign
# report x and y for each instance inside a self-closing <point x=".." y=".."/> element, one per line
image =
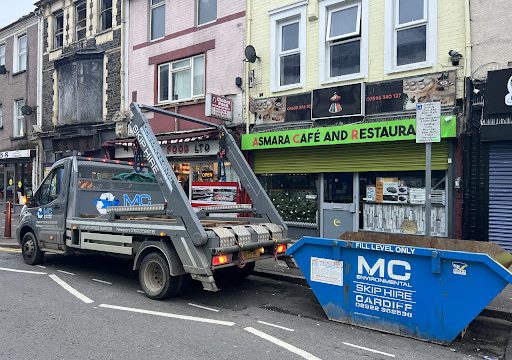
<point x="339" y="101"/>
<point x="498" y="93"/>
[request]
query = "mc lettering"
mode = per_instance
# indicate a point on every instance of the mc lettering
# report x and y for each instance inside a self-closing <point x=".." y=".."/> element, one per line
<point x="138" y="199"/>
<point x="395" y="269"/>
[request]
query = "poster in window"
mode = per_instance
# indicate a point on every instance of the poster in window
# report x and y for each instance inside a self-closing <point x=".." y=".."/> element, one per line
<point x="339" y="101"/>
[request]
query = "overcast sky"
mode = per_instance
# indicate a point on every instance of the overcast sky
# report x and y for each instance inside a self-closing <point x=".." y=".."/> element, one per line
<point x="12" y="10"/>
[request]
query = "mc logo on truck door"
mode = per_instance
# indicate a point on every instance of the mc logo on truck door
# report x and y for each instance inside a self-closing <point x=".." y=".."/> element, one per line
<point x="396" y="269"/>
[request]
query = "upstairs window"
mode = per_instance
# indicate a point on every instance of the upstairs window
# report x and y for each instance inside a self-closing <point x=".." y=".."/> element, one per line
<point x="343" y="39"/>
<point x="19" y="119"/>
<point x="411" y="31"/>
<point x="105" y="15"/>
<point x="2" y="54"/>
<point x="181" y="80"/>
<point x="288" y="48"/>
<point x="58" y="30"/>
<point x="21" y="53"/>
<point x="157" y="19"/>
<point x="206" y="11"/>
<point x="81" y="20"/>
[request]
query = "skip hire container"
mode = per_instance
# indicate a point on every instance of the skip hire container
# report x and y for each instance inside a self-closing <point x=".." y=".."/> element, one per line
<point x="421" y="287"/>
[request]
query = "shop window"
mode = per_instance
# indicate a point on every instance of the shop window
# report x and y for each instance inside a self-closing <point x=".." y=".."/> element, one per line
<point x="181" y="80"/>
<point x="294" y="196"/>
<point x="58" y="29"/>
<point x="157" y="19"/>
<point x="2" y="54"/>
<point x="338" y="188"/>
<point x="106" y="15"/>
<point x="206" y="11"/>
<point x="288" y="49"/>
<point x="412" y="40"/>
<point x="19" y="119"/>
<point x="394" y="202"/>
<point x="21" y="53"/>
<point x="81" y="20"/>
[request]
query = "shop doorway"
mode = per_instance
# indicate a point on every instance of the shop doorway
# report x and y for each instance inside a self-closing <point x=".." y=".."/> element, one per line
<point x="9" y="184"/>
<point x="339" y="206"/>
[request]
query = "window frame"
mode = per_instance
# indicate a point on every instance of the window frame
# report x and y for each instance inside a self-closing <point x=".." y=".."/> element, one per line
<point x="430" y="20"/>
<point x="56" y="32"/>
<point x="151" y="8"/>
<point x="2" y="54"/>
<point x="278" y="18"/>
<point x="208" y="22"/>
<point x="102" y="13"/>
<point x="17" y="53"/>
<point x="77" y="27"/>
<point x="190" y="67"/>
<point x="18" y="118"/>
<point x="326" y="9"/>
<point x="334" y="9"/>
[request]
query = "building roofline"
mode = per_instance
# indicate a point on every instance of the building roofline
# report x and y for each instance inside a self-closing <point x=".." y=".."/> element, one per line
<point x="19" y="21"/>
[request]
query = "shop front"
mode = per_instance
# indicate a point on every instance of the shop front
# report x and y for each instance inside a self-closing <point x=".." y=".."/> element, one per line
<point x="354" y="177"/>
<point x="16" y="174"/>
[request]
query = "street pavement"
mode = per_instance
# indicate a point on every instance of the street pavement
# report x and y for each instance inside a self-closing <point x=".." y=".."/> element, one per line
<point x="91" y="307"/>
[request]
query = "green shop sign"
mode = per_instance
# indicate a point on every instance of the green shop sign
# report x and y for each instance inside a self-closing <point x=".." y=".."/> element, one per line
<point x="345" y="134"/>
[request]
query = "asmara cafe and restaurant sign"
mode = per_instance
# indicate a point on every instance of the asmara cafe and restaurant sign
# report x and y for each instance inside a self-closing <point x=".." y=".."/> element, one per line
<point x="345" y="134"/>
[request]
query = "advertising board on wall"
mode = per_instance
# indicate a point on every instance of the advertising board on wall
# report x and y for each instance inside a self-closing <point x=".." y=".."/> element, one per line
<point x="280" y="109"/>
<point x="219" y="107"/>
<point x="338" y="101"/>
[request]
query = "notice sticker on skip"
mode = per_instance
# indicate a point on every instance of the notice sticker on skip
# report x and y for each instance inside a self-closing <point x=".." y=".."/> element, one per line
<point x="327" y="271"/>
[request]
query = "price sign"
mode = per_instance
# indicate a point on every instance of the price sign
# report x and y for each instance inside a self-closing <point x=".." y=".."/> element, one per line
<point x="428" y="122"/>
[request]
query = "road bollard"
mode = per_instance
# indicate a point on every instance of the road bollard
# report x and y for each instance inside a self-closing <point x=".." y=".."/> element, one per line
<point x="7" y="228"/>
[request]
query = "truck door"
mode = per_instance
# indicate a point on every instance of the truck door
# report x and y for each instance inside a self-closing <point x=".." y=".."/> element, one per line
<point x="50" y="202"/>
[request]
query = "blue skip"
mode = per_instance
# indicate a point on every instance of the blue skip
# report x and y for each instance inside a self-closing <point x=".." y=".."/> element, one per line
<point x="425" y="288"/>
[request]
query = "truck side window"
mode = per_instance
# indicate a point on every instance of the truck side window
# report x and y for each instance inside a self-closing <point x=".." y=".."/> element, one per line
<point x="50" y="188"/>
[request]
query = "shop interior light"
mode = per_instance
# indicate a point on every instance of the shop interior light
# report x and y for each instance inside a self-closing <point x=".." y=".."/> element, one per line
<point x="222" y="259"/>
<point x="24" y="200"/>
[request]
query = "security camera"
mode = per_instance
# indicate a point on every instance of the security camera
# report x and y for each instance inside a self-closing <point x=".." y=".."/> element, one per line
<point x="476" y="91"/>
<point x="454" y="54"/>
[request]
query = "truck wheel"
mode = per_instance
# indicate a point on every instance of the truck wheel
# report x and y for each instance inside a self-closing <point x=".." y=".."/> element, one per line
<point x="155" y="278"/>
<point x="30" y="251"/>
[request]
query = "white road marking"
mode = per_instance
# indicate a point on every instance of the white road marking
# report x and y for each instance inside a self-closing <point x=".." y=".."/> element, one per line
<point x="12" y="250"/>
<point x="102" y="281"/>
<point x="66" y="272"/>
<point x="368" y="349"/>
<point x="203" y="307"/>
<point x="169" y="315"/>
<point x="281" y="343"/>
<point x="274" y="325"/>
<point x="23" y="271"/>
<point x="41" y="266"/>
<point x="71" y="290"/>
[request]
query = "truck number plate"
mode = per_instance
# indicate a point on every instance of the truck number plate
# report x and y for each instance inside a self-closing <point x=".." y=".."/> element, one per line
<point x="251" y="254"/>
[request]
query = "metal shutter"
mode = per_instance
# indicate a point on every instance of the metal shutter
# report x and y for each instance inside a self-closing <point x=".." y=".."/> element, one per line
<point x="500" y="194"/>
<point x="392" y="156"/>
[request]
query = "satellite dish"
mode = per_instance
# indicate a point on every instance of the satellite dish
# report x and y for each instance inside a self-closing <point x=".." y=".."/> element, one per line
<point x="26" y="110"/>
<point x="250" y="54"/>
<point x="3" y="70"/>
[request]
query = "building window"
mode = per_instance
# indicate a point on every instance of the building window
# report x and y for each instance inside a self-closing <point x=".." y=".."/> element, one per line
<point x="157" y="19"/>
<point x="21" y="53"/>
<point x="1" y="116"/>
<point x="288" y="48"/>
<point x="81" y="20"/>
<point x="181" y="80"/>
<point x="413" y="39"/>
<point x="206" y="11"/>
<point x="19" y="119"/>
<point x="2" y="54"/>
<point x="58" y="30"/>
<point x="106" y="15"/>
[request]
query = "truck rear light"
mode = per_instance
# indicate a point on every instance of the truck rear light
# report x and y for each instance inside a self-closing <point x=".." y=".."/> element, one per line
<point x="280" y="248"/>
<point x="222" y="259"/>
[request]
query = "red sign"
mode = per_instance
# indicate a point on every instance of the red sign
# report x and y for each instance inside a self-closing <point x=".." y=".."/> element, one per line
<point x="219" y="107"/>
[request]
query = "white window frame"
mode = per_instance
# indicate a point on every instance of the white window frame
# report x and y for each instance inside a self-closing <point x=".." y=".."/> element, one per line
<point x="391" y="28"/>
<point x="77" y="29"/>
<point x="326" y="8"/>
<point x="17" y="55"/>
<point x="55" y="33"/>
<point x="278" y="18"/>
<point x="171" y="71"/>
<point x="151" y="8"/>
<point x="197" y="15"/>
<point x="17" y="118"/>
<point x="1" y="116"/>
<point x="2" y="54"/>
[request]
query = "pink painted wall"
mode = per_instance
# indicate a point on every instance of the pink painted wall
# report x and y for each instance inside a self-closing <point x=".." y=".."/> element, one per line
<point x="223" y="63"/>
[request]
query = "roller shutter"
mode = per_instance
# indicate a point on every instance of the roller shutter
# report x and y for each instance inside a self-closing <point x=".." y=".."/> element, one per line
<point x="500" y="194"/>
<point x="396" y="156"/>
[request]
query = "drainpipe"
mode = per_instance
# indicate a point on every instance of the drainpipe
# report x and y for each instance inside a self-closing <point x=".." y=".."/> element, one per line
<point x="247" y="67"/>
<point x="469" y="45"/>
<point x="125" y="102"/>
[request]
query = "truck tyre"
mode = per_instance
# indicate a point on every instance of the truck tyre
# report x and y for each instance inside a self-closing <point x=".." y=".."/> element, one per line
<point x="155" y="278"/>
<point x="30" y="251"/>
